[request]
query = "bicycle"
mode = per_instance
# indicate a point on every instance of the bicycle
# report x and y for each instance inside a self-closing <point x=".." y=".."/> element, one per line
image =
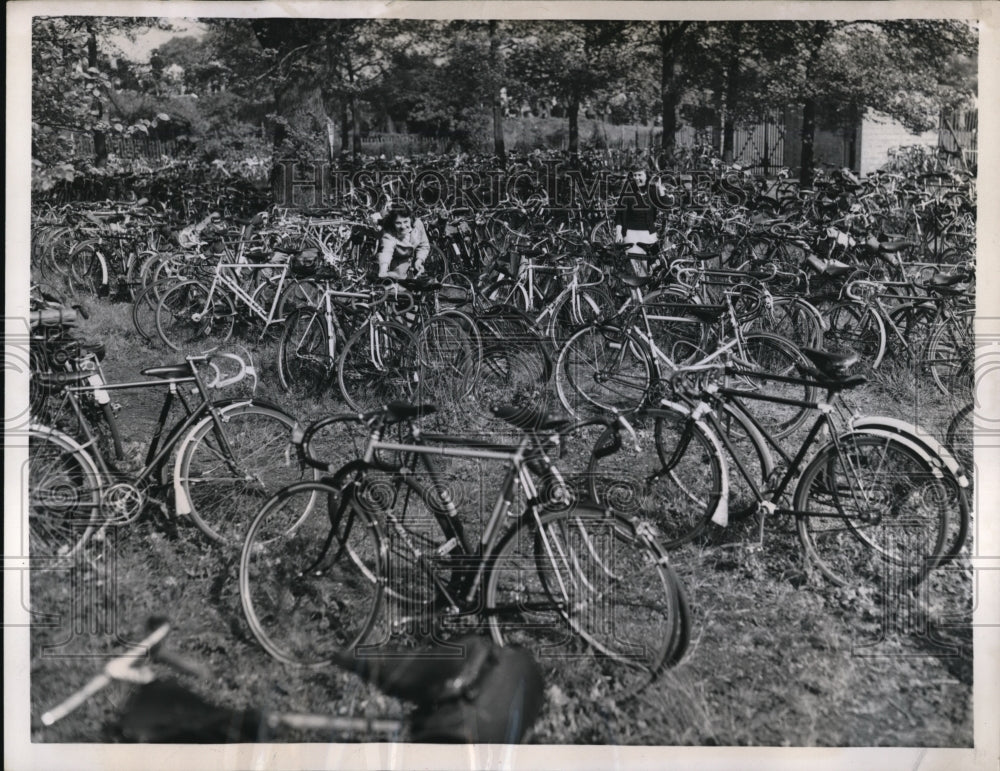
<point x="191" y="311"/>
<point x="848" y="501"/>
<point x="588" y="591"/>
<point x="228" y="453"/>
<point x="466" y="692"/>
<point x="620" y="364"/>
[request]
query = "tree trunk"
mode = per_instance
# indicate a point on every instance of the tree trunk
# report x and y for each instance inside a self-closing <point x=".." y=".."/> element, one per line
<point x="100" y="138"/>
<point x="573" y="114"/>
<point x="670" y="35"/>
<point x="355" y="128"/>
<point x="499" y="149"/>
<point x="732" y="90"/>
<point x="345" y="127"/>
<point x="808" y="137"/>
<point x="820" y="32"/>
<point x="331" y="139"/>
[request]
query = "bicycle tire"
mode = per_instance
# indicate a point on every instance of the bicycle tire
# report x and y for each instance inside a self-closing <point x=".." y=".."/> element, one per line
<point x="749" y="450"/>
<point x="144" y="310"/>
<point x="960" y="436"/>
<point x="311" y="617"/>
<point x="307" y="357"/>
<point x="793" y="318"/>
<point x="603" y="368"/>
<point x="88" y="268"/>
<point x="64" y="489"/>
<point x="377" y="365"/>
<point x="888" y="474"/>
<point x="601" y="615"/>
<point x="678" y="487"/>
<point x="773" y="355"/>
<point x="220" y="498"/>
<point x="856" y="328"/>
<point x="449" y="356"/>
<point x="587" y="305"/>
<point x="186" y="321"/>
<point x="951" y="355"/>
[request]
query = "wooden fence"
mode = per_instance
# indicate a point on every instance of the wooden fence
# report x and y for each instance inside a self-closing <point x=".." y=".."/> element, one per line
<point x="124" y="146"/>
<point x="959" y="130"/>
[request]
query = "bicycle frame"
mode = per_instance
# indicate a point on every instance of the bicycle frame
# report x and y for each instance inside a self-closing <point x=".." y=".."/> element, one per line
<point x="447" y="516"/>
<point x="155" y="458"/>
<point x="221" y="278"/>
<point x="767" y="499"/>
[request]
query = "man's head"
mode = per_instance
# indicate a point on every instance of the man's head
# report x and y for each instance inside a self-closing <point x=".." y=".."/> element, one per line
<point x="639" y="176"/>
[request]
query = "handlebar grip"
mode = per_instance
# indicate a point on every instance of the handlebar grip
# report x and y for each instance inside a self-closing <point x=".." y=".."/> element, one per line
<point x="101" y="681"/>
<point x="96" y="685"/>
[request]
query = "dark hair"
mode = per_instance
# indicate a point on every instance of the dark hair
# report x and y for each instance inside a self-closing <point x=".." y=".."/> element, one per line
<point x="389" y="222"/>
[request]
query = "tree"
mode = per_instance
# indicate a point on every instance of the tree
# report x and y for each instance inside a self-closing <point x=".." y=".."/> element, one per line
<point x="72" y="78"/>
<point x="571" y="60"/>
<point x="838" y="69"/>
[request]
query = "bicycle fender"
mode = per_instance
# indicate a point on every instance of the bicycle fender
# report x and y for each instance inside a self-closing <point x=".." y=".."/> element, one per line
<point x="720" y="516"/>
<point x="936" y="467"/>
<point x="182" y="504"/>
<point x="940" y="455"/>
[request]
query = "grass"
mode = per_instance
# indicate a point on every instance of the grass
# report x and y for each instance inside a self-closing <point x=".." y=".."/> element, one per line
<point x="778" y="657"/>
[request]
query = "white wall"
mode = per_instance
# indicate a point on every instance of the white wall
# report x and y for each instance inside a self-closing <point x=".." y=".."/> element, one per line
<point x="880" y="133"/>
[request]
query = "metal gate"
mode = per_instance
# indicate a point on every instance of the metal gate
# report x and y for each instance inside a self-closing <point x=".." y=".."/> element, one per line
<point x="761" y="147"/>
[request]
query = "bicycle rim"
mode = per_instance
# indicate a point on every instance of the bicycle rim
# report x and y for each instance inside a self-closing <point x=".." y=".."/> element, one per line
<point x="876" y="512"/>
<point x="590" y="597"/>
<point x="311" y="575"/>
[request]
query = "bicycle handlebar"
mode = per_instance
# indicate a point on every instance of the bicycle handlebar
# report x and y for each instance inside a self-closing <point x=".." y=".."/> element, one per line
<point x="120" y="668"/>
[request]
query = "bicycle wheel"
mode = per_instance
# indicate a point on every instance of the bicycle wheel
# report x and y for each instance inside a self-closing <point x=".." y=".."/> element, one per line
<point x="772" y="355"/>
<point x="144" y="309"/>
<point x="64" y="496"/>
<point x="377" y="365"/>
<point x="951" y="355"/>
<point x="589" y="305"/>
<point x="88" y="270"/>
<point x="603" y="368"/>
<point x="310" y="574"/>
<point x="300" y="293"/>
<point x="449" y="355"/>
<point x="591" y="596"/>
<point x="872" y="512"/>
<point x="603" y="233"/>
<point x="914" y="324"/>
<point x="856" y="328"/>
<point x="187" y="319"/>
<point x="515" y="366"/>
<point x="225" y="481"/>
<point x="792" y="318"/>
<point x="677" y="488"/>
<point x="306" y="357"/>
<point x="960" y="438"/>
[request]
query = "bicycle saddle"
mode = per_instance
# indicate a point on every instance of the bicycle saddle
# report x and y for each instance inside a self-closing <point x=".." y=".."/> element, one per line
<point x="636" y="281"/>
<point x="406" y="411"/>
<point x="529" y="418"/>
<point x="891" y="245"/>
<point x="419" y="284"/>
<point x="941" y="279"/>
<point x="55" y="381"/>
<point x="830" y="362"/>
<point x="169" y="371"/>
